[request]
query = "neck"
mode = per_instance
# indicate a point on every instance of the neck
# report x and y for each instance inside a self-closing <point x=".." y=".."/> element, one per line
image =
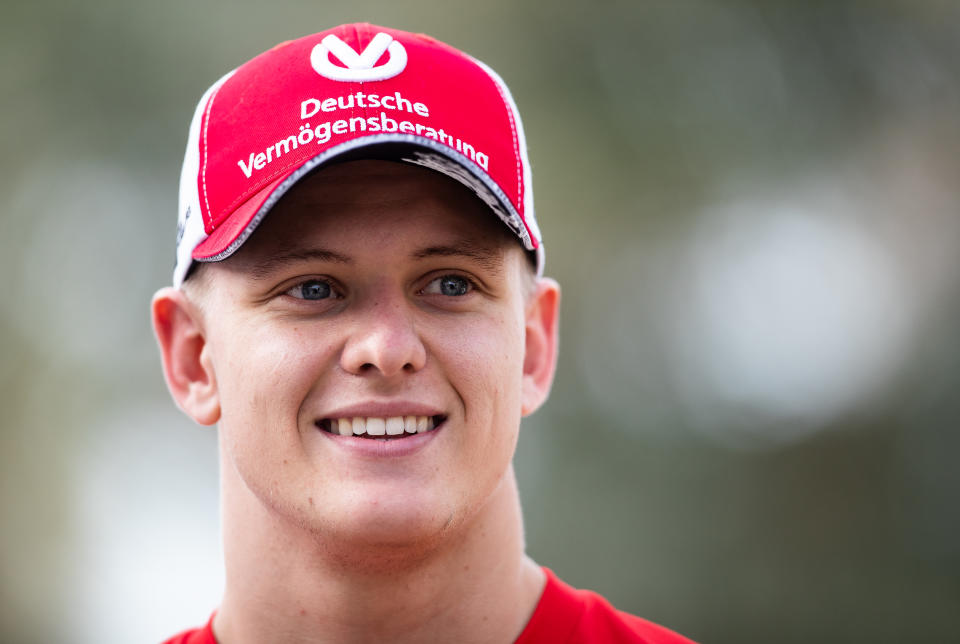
<point x="285" y="583"/>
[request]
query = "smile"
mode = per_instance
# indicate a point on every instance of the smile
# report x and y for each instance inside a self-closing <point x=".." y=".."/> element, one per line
<point x="390" y="428"/>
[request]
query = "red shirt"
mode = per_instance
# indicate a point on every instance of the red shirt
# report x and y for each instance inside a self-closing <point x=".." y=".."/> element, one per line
<point x="564" y="615"/>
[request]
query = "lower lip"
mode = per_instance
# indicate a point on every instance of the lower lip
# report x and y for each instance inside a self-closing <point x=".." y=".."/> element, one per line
<point x="374" y="448"/>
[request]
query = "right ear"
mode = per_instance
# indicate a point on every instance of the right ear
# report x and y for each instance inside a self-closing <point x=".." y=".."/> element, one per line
<point x="187" y="367"/>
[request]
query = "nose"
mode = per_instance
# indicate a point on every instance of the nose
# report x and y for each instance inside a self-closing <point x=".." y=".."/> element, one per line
<point x="384" y="339"/>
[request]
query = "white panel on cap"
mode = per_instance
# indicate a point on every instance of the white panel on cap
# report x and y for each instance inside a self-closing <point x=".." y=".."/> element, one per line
<point x="528" y="210"/>
<point x="190" y="229"/>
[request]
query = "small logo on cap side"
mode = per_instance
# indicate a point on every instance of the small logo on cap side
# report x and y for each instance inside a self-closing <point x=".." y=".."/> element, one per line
<point x="359" y="67"/>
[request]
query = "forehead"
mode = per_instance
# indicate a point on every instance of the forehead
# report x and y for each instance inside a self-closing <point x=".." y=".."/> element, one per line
<point x="377" y="205"/>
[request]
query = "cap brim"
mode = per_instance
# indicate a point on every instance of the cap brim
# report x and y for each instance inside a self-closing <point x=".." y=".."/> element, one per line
<point x="211" y="248"/>
<point x="234" y="231"/>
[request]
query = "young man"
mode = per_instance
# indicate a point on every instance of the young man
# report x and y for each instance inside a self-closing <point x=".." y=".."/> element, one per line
<point x="353" y="309"/>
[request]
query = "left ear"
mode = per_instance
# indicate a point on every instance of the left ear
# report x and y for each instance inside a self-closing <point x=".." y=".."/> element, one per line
<point x="540" y="356"/>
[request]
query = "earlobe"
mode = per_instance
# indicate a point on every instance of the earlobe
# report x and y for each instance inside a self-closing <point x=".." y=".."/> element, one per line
<point x="542" y="334"/>
<point x="187" y="367"/>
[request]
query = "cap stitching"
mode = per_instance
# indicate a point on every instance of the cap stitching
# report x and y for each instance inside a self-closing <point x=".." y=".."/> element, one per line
<point x="516" y="147"/>
<point x="203" y="172"/>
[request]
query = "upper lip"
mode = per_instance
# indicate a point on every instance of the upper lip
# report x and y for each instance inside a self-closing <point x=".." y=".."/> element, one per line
<point x="387" y="409"/>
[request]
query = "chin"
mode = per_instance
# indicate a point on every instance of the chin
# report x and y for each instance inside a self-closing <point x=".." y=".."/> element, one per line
<point x="385" y="539"/>
<point x="396" y="522"/>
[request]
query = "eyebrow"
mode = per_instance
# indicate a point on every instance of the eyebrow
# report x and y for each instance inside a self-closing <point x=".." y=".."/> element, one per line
<point x="489" y="258"/>
<point x="266" y="267"/>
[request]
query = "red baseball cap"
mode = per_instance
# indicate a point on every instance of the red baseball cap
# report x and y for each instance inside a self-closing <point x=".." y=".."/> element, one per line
<point x="356" y="91"/>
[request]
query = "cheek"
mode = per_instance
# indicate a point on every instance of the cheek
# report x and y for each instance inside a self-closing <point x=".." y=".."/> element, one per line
<point x="491" y="391"/>
<point x="264" y="376"/>
<point x="489" y="367"/>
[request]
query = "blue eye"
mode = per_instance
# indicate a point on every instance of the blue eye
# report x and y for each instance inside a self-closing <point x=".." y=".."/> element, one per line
<point x="449" y="285"/>
<point x="311" y="290"/>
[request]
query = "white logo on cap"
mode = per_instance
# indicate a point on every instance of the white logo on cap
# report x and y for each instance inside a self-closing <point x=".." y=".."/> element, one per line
<point x="359" y="67"/>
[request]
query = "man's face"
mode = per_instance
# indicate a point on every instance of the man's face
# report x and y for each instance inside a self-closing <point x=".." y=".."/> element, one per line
<point x="372" y="290"/>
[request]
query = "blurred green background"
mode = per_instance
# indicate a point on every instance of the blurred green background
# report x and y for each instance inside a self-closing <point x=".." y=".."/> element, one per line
<point x="752" y="207"/>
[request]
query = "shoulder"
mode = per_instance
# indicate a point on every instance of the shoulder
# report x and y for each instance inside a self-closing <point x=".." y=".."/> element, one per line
<point x="572" y="616"/>
<point x="202" y="635"/>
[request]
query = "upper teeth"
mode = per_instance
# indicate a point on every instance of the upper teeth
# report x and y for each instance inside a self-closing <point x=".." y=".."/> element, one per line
<point x="392" y="426"/>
